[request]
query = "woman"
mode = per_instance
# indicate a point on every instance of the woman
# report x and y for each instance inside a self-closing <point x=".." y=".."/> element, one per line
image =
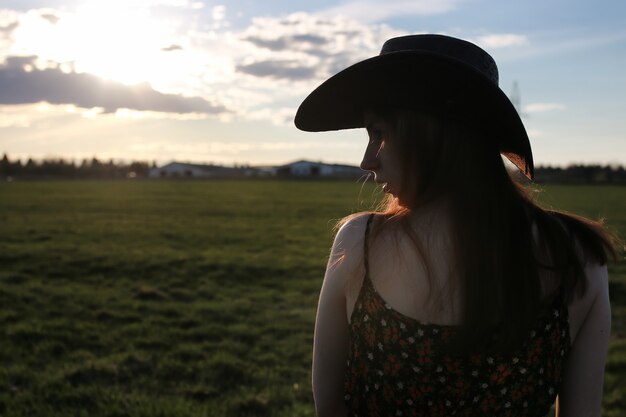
<point x="462" y="296"/>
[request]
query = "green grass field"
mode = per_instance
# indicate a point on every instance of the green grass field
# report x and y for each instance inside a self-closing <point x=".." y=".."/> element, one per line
<point x="190" y="298"/>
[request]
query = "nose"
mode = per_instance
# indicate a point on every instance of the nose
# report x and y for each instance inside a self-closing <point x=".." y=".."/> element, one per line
<point x="370" y="158"/>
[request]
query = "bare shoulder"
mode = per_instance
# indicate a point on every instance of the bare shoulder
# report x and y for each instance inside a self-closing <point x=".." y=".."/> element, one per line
<point x="346" y="265"/>
<point x="350" y="239"/>
<point x="596" y="277"/>
<point x="590" y="296"/>
<point x="591" y="291"/>
<point x="353" y="231"/>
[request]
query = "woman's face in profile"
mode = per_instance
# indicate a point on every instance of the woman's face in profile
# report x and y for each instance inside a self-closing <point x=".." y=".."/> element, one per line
<point x="381" y="157"/>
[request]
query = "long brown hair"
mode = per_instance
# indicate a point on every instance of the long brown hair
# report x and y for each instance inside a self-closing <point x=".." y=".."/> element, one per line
<point x="446" y="157"/>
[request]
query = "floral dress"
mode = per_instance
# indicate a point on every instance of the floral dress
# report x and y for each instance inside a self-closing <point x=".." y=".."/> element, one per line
<point x="395" y="366"/>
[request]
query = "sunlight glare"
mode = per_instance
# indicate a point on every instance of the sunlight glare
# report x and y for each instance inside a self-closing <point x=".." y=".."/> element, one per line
<point x="118" y="43"/>
<point x="124" y="41"/>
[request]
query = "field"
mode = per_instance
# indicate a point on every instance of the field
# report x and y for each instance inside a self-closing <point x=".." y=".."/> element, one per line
<point x="190" y="298"/>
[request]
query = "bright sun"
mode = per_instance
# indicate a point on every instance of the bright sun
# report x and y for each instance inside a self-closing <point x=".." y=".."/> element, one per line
<point x="117" y="42"/>
<point x="125" y="41"/>
<point x="109" y="39"/>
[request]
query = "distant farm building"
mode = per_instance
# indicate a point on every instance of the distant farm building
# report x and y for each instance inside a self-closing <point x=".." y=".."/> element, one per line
<point x="308" y="169"/>
<point x="183" y="170"/>
<point x="298" y="169"/>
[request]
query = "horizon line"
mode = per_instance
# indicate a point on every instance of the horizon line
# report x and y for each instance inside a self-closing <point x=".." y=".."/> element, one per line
<point x="160" y="163"/>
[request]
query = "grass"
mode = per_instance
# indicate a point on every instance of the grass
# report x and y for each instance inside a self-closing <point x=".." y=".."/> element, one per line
<point x="189" y="298"/>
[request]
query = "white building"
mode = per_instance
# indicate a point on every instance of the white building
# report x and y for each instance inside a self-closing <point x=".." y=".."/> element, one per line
<point x="318" y="169"/>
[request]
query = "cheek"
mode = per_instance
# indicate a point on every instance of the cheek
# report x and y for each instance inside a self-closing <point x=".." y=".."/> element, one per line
<point x="373" y="151"/>
<point x="388" y="154"/>
<point x="394" y="163"/>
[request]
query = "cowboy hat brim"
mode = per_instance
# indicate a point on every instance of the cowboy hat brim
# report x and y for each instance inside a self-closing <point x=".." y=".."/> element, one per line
<point x="422" y="80"/>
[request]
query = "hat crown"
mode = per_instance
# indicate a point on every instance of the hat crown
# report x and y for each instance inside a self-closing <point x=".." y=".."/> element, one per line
<point x="465" y="52"/>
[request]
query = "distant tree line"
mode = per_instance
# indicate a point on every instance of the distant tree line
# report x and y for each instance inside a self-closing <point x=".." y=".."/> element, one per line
<point x="94" y="168"/>
<point x="581" y="174"/>
<point x="63" y="169"/>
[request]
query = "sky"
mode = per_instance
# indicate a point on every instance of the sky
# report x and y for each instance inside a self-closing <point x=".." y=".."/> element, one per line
<point x="220" y="81"/>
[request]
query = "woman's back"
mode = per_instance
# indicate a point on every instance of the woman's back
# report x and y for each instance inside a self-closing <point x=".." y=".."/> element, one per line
<point x="579" y="326"/>
<point x="399" y="364"/>
<point x="424" y="284"/>
<point x="419" y="288"/>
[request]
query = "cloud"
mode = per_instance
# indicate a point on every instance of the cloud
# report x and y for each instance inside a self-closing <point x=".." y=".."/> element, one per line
<point x="9" y="22"/>
<point x="501" y="40"/>
<point x="212" y="149"/>
<point x="8" y="28"/>
<point x="563" y="42"/>
<point x="272" y="63"/>
<point x="291" y="69"/>
<point x="299" y="41"/>
<point x="219" y="12"/>
<point x="543" y="107"/>
<point x="131" y="114"/>
<point x="143" y="4"/>
<point x="279" y="117"/>
<point x="21" y="82"/>
<point x="22" y="116"/>
<point x="308" y="47"/>
<point x="275" y="44"/>
<point x="310" y="39"/>
<point x="172" y="48"/>
<point x="373" y="11"/>
<point x="535" y="133"/>
<point x="50" y="17"/>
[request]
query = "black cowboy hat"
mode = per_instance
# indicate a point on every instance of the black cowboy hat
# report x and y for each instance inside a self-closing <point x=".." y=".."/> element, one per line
<point x="433" y="72"/>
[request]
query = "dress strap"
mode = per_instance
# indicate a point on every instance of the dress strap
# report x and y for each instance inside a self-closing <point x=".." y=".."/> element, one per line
<point x="365" y="246"/>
